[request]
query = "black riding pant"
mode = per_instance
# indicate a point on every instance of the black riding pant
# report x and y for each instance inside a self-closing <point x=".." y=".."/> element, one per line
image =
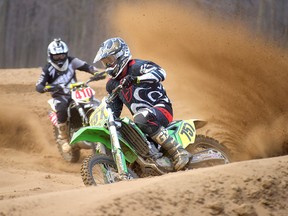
<point x="149" y="120"/>
<point x="61" y="106"/>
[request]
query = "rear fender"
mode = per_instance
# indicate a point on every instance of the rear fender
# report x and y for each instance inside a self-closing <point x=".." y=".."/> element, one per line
<point x="199" y="123"/>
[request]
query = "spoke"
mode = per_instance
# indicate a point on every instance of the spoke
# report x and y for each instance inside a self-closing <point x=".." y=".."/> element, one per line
<point x="104" y="174"/>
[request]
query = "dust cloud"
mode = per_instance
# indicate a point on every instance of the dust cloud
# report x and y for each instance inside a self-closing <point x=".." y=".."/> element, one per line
<point x="215" y="69"/>
<point x="20" y="130"/>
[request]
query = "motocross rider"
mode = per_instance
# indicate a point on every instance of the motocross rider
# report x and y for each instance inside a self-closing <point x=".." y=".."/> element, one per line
<point x="143" y="94"/>
<point x="61" y="71"/>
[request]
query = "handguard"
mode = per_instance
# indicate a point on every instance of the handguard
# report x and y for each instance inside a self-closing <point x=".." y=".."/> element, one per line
<point x="51" y="88"/>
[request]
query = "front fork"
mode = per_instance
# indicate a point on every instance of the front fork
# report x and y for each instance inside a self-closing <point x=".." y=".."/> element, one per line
<point x="116" y="148"/>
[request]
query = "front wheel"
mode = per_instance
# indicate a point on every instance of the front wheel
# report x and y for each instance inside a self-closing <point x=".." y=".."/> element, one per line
<point x="203" y="143"/>
<point x="101" y="169"/>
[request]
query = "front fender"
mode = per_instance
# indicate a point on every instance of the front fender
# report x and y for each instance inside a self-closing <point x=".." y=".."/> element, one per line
<point x="102" y="135"/>
<point x="91" y="134"/>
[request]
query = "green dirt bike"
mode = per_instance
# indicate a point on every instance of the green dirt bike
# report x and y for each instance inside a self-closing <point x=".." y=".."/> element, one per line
<point x="133" y="152"/>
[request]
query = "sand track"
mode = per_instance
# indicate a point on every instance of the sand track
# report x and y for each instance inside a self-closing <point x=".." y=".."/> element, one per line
<point x="215" y="72"/>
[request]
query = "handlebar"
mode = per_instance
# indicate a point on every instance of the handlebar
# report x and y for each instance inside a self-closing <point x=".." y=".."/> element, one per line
<point x="97" y="76"/>
<point x="57" y="87"/>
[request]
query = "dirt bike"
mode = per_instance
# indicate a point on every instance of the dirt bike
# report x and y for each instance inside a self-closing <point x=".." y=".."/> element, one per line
<point x="131" y="148"/>
<point x="80" y="108"/>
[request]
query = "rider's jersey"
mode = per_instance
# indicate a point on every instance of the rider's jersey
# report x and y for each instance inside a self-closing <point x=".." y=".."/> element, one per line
<point x="50" y="75"/>
<point x="148" y="93"/>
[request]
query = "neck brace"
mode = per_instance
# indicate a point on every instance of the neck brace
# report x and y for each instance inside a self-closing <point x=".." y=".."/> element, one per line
<point x="63" y="68"/>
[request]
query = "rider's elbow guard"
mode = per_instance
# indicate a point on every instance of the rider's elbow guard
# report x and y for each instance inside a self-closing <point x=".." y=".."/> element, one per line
<point x="40" y="89"/>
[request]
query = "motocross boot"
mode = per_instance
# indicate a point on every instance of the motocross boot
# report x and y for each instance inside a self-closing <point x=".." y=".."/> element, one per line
<point x="160" y="160"/>
<point x="180" y="156"/>
<point x="63" y="137"/>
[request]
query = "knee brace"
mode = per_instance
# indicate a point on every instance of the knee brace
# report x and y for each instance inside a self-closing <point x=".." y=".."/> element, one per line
<point x="146" y="120"/>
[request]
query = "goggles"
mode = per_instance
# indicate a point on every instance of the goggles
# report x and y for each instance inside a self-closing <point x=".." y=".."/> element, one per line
<point x="109" y="61"/>
<point x="57" y="57"/>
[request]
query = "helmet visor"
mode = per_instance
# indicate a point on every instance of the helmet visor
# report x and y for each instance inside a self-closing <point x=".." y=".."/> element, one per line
<point x="109" y="61"/>
<point x="58" y="57"/>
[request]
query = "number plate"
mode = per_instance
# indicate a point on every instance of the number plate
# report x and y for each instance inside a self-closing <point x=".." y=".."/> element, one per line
<point x="187" y="132"/>
<point x="99" y="116"/>
<point x="83" y="95"/>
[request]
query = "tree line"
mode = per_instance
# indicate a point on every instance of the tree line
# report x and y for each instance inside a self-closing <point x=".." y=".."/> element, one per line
<point x="28" y="26"/>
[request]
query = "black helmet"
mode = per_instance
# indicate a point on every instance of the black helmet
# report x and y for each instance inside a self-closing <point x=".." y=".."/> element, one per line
<point x="58" y="54"/>
<point x="114" y="55"/>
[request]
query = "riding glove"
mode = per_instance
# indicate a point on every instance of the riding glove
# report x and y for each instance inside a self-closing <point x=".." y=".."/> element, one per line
<point x="128" y="81"/>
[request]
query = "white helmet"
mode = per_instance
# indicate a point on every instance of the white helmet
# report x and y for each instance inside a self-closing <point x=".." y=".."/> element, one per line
<point x="58" y="54"/>
<point x="114" y="55"/>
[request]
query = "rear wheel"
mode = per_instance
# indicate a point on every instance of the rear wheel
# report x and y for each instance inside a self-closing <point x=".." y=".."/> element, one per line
<point x="101" y="169"/>
<point x="204" y="142"/>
